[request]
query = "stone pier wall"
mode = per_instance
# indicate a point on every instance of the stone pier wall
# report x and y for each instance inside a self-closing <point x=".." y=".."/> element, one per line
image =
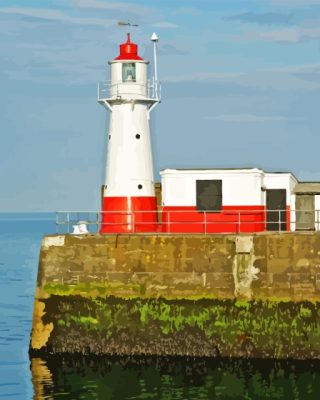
<point x="179" y="294"/>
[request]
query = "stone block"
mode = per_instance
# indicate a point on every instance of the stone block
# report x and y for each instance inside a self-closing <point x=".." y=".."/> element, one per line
<point x="279" y="265"/>
<point x="317" y="281"/>
<point x="280" y="246"/>
<point x="264" y="280"/>
<point x="56" y="241"/>
<point x="260" y="245"/>
<point x="219" y="280"/>
<point x="280" y="293"/>
<point x="182" y="280"/>
<point x="244" y="244"/>
<point x="281" y="281"/>
<point x="315" y="267"/>
<point x="123" y="277"/>
<point x="302" y="265"/>
<point x="218" y="263"/>
<point x="302" y="280"/>
<point x="141" y="277"/>
<point x="300" y="294"/>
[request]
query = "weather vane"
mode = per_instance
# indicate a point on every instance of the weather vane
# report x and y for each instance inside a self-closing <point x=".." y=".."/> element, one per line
<point x="128" y="23"/>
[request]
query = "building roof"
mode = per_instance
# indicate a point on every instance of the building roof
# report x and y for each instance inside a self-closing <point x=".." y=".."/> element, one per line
<point x="307" y="188"/>
<point x="206" y="170"/>
<point x="221" y="170"/>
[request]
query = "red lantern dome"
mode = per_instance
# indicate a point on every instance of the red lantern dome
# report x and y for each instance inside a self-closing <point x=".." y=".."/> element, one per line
<point x="128" y="51"/>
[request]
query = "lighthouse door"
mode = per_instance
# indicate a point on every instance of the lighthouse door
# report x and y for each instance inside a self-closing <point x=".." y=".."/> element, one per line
<point x="276" y="210"/>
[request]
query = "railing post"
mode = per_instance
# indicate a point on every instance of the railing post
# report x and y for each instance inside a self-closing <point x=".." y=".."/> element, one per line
<point x="239" y="222"/>
<point x="169" y="221"/>
<point x="205" y="223"/>
<point x="68" y="222"/>
<point x="279" y="220"/>
<point x="97" y="221"/>
<point x="133" y="222"/>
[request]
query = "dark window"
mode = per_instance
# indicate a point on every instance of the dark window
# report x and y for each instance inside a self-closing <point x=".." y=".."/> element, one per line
<point x="137" y="136"/>
<point x="209" y="195"/>
<point x="139" y="187"/>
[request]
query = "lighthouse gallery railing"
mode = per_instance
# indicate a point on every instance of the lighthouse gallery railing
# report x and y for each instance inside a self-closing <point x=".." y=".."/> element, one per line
<point x="192" y="221"/>
<point x="151" y="90"/>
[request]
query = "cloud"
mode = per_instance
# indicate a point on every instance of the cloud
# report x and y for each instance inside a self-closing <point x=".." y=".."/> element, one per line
<point x="262" y="19"/>
<point x="296" y="2"/>
<point x="112" y="6"/>
<point x="306" y="68"/>
<point x="202" y="76"/>
<point x="188" y="11"/>
<point x="169" y="49"/>
<point x="247" y="118"/>
<point x="301" y="78"/>
<point x="54" y="15"/>
<point x="164" y="24"/>
<point x="288" y="35"/>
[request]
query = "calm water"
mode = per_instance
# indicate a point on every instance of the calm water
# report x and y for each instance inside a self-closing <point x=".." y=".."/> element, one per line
<point x="102" y="378"/>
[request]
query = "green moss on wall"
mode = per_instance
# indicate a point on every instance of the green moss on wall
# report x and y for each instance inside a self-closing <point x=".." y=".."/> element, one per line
<point x="92" y="290"/>
<point x="264" y="328"/>
<point x="125" y="291"/>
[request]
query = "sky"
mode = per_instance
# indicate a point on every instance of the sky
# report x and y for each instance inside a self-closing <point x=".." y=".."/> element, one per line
<point x="240" y="88"/>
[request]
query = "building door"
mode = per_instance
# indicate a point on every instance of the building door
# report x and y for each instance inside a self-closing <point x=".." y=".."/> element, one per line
<point x="305" y="212"/>
<point x="276" y="209"/>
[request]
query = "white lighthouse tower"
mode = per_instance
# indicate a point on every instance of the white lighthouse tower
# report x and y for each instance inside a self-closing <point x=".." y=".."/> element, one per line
<point x="129" y="201"/>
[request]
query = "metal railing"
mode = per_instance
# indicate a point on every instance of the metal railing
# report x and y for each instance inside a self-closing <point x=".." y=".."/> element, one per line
<point x="107" y="90"/>
<point x="187" y="221"/>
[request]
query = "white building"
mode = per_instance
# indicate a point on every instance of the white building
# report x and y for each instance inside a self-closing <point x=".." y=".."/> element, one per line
<point x="227" y="200"/>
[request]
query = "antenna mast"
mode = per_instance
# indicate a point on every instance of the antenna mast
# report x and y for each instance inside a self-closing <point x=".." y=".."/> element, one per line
<point x="155" y="39"/>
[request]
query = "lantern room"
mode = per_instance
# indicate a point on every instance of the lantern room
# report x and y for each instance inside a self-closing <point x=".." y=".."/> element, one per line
<point x="128" y="72"/>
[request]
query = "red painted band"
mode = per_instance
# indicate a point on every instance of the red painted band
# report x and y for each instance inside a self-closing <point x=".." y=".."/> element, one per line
<point x="231" y="219"/>
<point x="129" y="214"/>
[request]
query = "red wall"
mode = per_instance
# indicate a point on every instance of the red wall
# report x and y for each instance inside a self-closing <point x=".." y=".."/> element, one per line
<point x="231" y="219"/>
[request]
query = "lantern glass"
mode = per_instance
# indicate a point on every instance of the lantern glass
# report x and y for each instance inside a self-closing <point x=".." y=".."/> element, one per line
<point x="128" y="72"/>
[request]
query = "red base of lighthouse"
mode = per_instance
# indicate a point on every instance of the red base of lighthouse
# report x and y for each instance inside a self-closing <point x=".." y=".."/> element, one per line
<point x="129" y="215"/>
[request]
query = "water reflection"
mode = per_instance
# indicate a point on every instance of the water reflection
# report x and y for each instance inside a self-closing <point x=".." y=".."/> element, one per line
<point x="173" y="378"/>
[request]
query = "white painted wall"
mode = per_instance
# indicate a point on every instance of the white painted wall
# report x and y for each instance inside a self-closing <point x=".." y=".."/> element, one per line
<point x="239" y="187"/>
<point x="137" y="89"/>
<point x="242" y="187"/>
<point x="129" y="159"/>
<point x="281" y="181"/>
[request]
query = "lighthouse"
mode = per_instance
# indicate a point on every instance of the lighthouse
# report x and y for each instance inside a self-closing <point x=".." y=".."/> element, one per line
<point x="128" y="201"/>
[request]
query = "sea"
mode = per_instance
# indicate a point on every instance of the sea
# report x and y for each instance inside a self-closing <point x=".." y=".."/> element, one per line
<point x="117" y="377"/>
